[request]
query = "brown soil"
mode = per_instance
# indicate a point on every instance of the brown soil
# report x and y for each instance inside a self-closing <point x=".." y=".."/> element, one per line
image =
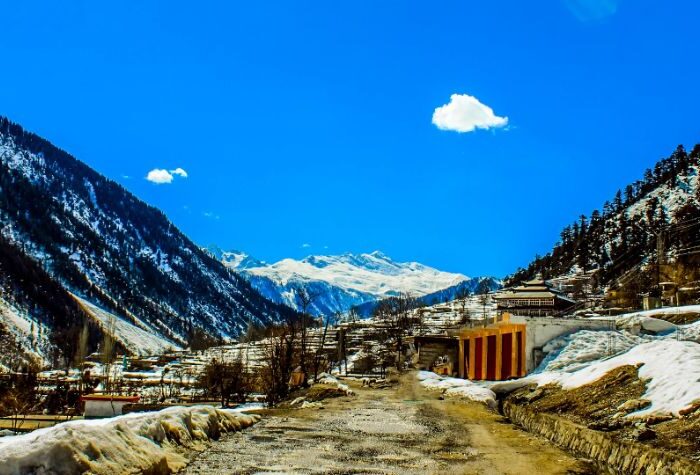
<point x="680" y="318"/>
<point x="398" y="430"/>
<point x="319" y="392"/>
<point x="596" y="406"/>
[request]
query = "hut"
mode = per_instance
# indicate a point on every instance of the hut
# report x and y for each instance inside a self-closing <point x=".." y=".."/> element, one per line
<point x="105" y="405"/>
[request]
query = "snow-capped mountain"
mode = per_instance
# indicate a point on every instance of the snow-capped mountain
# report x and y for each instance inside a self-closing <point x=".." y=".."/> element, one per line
<point x="235" y="259"/>
<point x="66" y="230"/>
<point x="339" y="282"/>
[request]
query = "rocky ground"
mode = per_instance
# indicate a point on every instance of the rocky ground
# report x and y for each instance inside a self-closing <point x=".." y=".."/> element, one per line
<point x="399" y="430"/>
<point x="603" y="405"/>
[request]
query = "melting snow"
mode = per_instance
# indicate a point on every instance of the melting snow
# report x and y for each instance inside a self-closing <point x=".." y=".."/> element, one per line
<point x="135" y="443"/>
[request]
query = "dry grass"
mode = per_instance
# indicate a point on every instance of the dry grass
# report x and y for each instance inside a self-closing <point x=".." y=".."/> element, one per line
<point x="595" y="404"/>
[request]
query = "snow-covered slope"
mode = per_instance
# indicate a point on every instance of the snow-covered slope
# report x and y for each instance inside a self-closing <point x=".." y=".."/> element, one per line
<point x="138" y="338"/>
<point x="22" y="338"/>
<point x="339" y="282"/>
<point x="93" y="238"/>
<point x="660" y="212"/>
<point x="374" y="274"/>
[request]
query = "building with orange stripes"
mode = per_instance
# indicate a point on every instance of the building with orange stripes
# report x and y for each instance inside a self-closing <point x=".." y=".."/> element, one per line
<point x="494" y="353"/>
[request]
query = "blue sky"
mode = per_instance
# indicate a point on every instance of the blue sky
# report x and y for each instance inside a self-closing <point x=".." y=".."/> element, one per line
<point x="311" y="122"/>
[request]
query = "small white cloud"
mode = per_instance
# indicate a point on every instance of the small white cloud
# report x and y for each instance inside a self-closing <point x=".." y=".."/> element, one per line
<point x="464" y="113"/>
<point x="162" y="176"/>
<point x="211" y="215"/>
<point x="159" y="176"/>
<point x="179" y="171"/>
<point x="306" y="245"/>
<point x="126" y="177"/>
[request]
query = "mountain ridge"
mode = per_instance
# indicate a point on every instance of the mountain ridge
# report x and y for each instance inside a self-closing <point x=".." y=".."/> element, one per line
<point x="99" y="241"/>
<point x="339" y="282"/>
<point x="646" y="234"/>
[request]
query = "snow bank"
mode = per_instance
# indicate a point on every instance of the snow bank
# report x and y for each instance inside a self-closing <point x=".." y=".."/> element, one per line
<point x="576" y="351"/>
<point x="670" y="367"/>
<point x="690" y="332"/>
<point x="457" y="388"/>
<point x="325" y="378"/>
<point x="636" y="322"/>
<point x="666" y="311"/>
<point x="150" y="442"/>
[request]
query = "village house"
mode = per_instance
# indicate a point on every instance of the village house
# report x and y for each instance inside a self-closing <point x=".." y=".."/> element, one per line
<point x="533" y="298"/>
<point x="105" y="405"/>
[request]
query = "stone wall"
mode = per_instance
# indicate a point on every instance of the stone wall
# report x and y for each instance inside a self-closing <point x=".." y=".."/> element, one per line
<point x="623" y="457"/>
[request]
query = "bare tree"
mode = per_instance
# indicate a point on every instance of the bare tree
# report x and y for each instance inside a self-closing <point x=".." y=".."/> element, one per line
<point x="353" y="314"/>
<point x="18" y="395"/>
<point x="319" y="351"/>
<point x="462" y="297"/>
<point x="483" y="292"/>
<point x="81" y="353"/>
<point x="396" y="314"/>
<point x="279" y="358"/>
<point x="229" y="381"/>
<point x="305" y="299"/>
<point x="108" y="346"/>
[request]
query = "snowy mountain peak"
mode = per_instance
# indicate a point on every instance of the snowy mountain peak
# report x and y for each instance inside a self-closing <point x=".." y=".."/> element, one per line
<point x="339" y="281"/>
<point x="234" y="259"/>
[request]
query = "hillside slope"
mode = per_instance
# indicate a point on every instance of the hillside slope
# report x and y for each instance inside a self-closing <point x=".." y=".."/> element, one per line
<point x="646" y="234"/>
<point x="94" y="238"/>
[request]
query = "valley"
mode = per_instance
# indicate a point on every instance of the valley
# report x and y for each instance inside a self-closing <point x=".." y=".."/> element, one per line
<point x="584" y="361"/>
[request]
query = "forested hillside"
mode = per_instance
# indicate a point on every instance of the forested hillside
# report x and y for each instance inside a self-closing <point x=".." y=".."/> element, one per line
<point x="66" y="227"/>
<point x="648" y="231"/>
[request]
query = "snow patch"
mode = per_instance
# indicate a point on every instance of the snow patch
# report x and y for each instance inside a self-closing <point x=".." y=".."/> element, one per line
<point x="137" y="340"/>
<point x="135" y="443"/>
<point x="457" y="388"/>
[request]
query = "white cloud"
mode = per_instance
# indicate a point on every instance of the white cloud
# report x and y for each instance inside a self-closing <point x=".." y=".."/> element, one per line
<point x="306" y="245"/>
<point x="211" y="215"/>
<point x="179" y="171"/>
<point x="159" y="176"/>
<point x="465" y="113"/>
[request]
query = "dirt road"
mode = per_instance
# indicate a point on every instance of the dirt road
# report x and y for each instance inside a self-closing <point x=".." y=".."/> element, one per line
<point x="403" y="430"/>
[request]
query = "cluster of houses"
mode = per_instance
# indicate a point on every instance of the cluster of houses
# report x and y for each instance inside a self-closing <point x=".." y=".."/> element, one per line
<point x="510" y="344"/>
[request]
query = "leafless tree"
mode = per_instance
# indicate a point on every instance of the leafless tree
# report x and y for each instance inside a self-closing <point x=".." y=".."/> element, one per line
<point x="483" y="295"/>
<point x="395" y="312"/>
<point x="353" y="314"/>
<point x="305" y="299"/>
<point x="229" y="381"/>
<point x="329" y="320"/>
<point x="279" y="359"/>
<point x="19" y="395"/>
<point x="462" y="297"/>
<point x="108" y="346"/>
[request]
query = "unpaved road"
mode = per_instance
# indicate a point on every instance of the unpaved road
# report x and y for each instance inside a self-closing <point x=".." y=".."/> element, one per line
<point x="403" y="430"/>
